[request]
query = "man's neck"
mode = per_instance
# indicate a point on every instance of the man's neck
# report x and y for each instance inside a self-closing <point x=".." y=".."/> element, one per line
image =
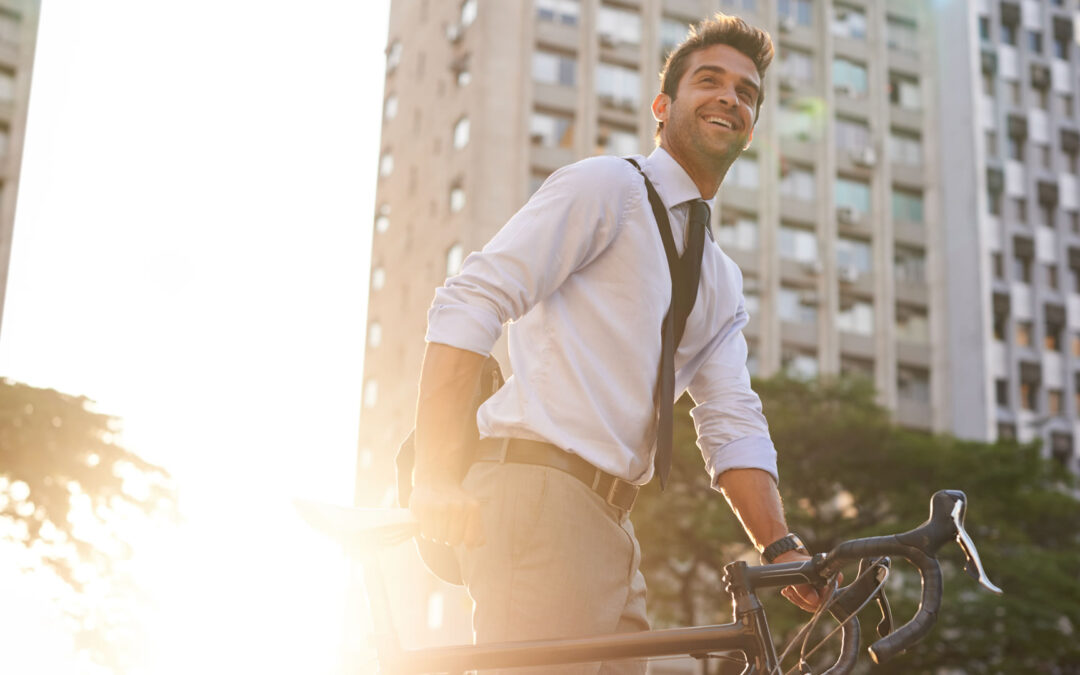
<point x="707" y="177"/>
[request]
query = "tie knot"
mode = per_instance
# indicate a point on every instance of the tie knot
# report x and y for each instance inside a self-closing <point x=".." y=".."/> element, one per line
<point x="699" y="212"/>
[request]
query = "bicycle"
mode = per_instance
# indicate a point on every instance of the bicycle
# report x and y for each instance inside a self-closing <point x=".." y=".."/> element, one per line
<point x="366" y="530"/>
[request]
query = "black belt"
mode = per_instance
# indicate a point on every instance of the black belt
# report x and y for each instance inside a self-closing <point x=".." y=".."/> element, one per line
<point x="615" y="491"/>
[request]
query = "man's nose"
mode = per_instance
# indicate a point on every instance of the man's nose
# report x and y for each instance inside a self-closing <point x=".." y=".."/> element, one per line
<point x="727" y="95"/>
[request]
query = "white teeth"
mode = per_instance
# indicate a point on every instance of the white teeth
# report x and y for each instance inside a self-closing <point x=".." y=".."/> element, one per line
<point x="720" y="121"/>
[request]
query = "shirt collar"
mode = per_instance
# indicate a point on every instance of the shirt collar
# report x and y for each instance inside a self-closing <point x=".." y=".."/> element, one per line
<point x="671" y="181"/>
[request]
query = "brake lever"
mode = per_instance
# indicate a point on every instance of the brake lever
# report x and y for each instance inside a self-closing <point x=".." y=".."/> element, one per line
<point x="973" y="566"/>
<point x="885" y="626"/>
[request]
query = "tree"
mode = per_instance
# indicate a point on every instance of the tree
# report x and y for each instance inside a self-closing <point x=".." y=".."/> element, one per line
<point x="847" y="472"/>
<point x="65" y="483"/>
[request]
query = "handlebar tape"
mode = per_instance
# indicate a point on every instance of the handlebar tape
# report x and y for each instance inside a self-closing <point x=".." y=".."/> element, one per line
<point x="850" y="637"/>
<point x="932" y="586"/>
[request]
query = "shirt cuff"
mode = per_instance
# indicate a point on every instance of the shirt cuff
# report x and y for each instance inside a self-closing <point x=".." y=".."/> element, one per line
<point x="750" y="452"/>
<point x="463" y="326"/>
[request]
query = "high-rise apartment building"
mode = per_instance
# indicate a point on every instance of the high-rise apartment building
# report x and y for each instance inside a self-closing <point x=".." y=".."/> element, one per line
<point x="908" y="209"/>
<point x="18" y="36"/>
<point x="1011" y="137"/>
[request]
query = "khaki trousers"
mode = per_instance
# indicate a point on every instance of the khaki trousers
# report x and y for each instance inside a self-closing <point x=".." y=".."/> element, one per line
<point x="557" y="562"/>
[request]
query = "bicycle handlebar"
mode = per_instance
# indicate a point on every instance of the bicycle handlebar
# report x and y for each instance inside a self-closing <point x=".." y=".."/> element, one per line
<point x="919" y="546"/>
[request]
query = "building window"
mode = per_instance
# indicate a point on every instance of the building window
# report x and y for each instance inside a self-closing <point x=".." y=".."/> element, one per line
<point x="796" y="123"/>
<point x="378" y="278"/>
<point x="550" y="67"/>
<point x="852" y="194"/>
<point x="672" y="33"/>
<point x="1061" y="48"/>
<point x="854" y="254"/>
<point x="984" y="28"/>
<point x="1023" y="333"/>
<point x="907" y="205"/>
<point x="386" y="164"/>
<point x="799" y="364"/>
<point x="1001" y="322"/>
<point x="991" y="143"/>
<point x="743" y="173"/>
<point x="565" y="12"/>
<point x="1066" y="106"/>
<point x="1020" y="205"/>
<point x="909" y="264"/>
<point x="849" y="22"/>
<point x="393" y="55"/>
<point x="1053" y="401"/>
<point x="913" y="384"/>
<point x="374" y="334"/>
<point x="1035" y="42"/>
<point x="382" y="219"/>
<point x="1001" y="392"/>
<point x="468" y="13"/>
<point x="852" y="135"/>
<point x="1029" y="394"/>
<point x="1015" y="94"/>
<point x="904" y="91"/>
<point x="796" y="66"/>
<point x="461" y="133"/>
<point x="738" y="231"/>
<point x="618" y="86"/>
<point x="905" y="148"/>
<point x="798" y="244"/>
<point x="613" y="140"/>
<point x="797" y="305"/>
<point x="1008" y="34"/>
<point x="901" y="34"/>
<point x="618" y="26"/>
<point x="1052" y="338"/>
<point x="457" y="198"/>
<point x="855" y="316"/>
<point x="993" y="202"/>
<point x="797" y="181"/>
<point x="1022" y="269"/>
<point x="849" y="77"/>
<point x="799" y="11"/>
<point x="371" y="393"/>
<point x="1006" y="431"/>
<point x="455" y="257"/>
<point x="997" y="262"/>
<point x="912" y="324"/>
<point x="551" y="130"/>
<point x="1052" y="276"/>
<point x="390" y="107"/>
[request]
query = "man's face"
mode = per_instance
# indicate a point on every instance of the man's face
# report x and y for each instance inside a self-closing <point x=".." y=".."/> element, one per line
<point x="711" y="118"/>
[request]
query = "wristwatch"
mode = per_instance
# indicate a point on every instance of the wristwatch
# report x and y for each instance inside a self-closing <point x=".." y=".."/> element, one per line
<point x="789" y="542"/>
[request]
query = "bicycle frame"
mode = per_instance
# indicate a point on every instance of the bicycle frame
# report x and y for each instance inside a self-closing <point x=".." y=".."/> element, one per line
<point x="749" y="633"/>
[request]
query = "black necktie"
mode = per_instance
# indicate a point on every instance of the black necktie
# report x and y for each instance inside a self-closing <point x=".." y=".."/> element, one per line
<point x="684" y="286"/>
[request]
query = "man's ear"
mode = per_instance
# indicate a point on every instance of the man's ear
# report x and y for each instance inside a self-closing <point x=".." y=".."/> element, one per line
<point x="660" y="107"/>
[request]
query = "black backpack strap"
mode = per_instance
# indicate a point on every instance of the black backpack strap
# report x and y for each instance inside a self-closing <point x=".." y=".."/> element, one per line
<point x="664" y="225"/>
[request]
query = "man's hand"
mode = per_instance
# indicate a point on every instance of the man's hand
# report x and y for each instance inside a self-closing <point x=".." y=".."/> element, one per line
<point x="447" y="513"/>
<point x="804" y="596"/>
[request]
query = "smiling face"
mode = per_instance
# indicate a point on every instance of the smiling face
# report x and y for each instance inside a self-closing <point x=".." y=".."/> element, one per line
<point x="710" y="121"/>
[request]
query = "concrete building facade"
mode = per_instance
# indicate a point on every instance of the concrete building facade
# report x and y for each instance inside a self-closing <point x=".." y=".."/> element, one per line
<point x="18" y="38"/>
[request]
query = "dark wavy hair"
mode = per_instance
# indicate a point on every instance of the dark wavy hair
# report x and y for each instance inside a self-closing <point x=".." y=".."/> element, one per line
<point x="721" y="29"/>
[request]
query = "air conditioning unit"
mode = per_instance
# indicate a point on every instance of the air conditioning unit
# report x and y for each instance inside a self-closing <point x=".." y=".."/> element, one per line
<point x="848" y="274"/>
<point x="864" y="157"/>
<point x="606" y="99"/>
<point x="536" y="139"/>
<point x="813" y="267"/>
<point x="846" y="215"/>
<point x="454" y="33"/>
<point x="845" y="89"/>
<point x="787" y="24"/>
<point x="609" y="40"/>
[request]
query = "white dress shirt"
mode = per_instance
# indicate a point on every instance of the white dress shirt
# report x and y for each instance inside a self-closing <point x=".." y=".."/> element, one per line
<point x="580" y="273"/>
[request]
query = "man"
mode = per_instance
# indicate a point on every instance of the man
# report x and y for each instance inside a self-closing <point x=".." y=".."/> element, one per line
<point x="541" y="519"/>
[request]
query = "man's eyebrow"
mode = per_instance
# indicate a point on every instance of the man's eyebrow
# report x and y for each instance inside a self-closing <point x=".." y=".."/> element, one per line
<point x="720" y="71"/>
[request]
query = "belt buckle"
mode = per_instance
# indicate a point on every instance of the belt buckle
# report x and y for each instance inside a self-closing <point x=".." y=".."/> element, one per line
<point x="610" y="499"/>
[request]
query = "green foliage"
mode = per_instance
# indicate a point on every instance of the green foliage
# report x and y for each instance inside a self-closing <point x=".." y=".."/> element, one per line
<point x="65" y="485"/>
<point x="847" y="472"/>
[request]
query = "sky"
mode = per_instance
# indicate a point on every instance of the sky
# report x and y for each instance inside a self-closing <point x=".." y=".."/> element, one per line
<point x="191" y="251"/>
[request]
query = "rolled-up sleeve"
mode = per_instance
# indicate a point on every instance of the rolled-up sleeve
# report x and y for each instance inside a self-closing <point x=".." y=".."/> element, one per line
<point x="570" y="220"/>
<point x="731" y="427"/>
